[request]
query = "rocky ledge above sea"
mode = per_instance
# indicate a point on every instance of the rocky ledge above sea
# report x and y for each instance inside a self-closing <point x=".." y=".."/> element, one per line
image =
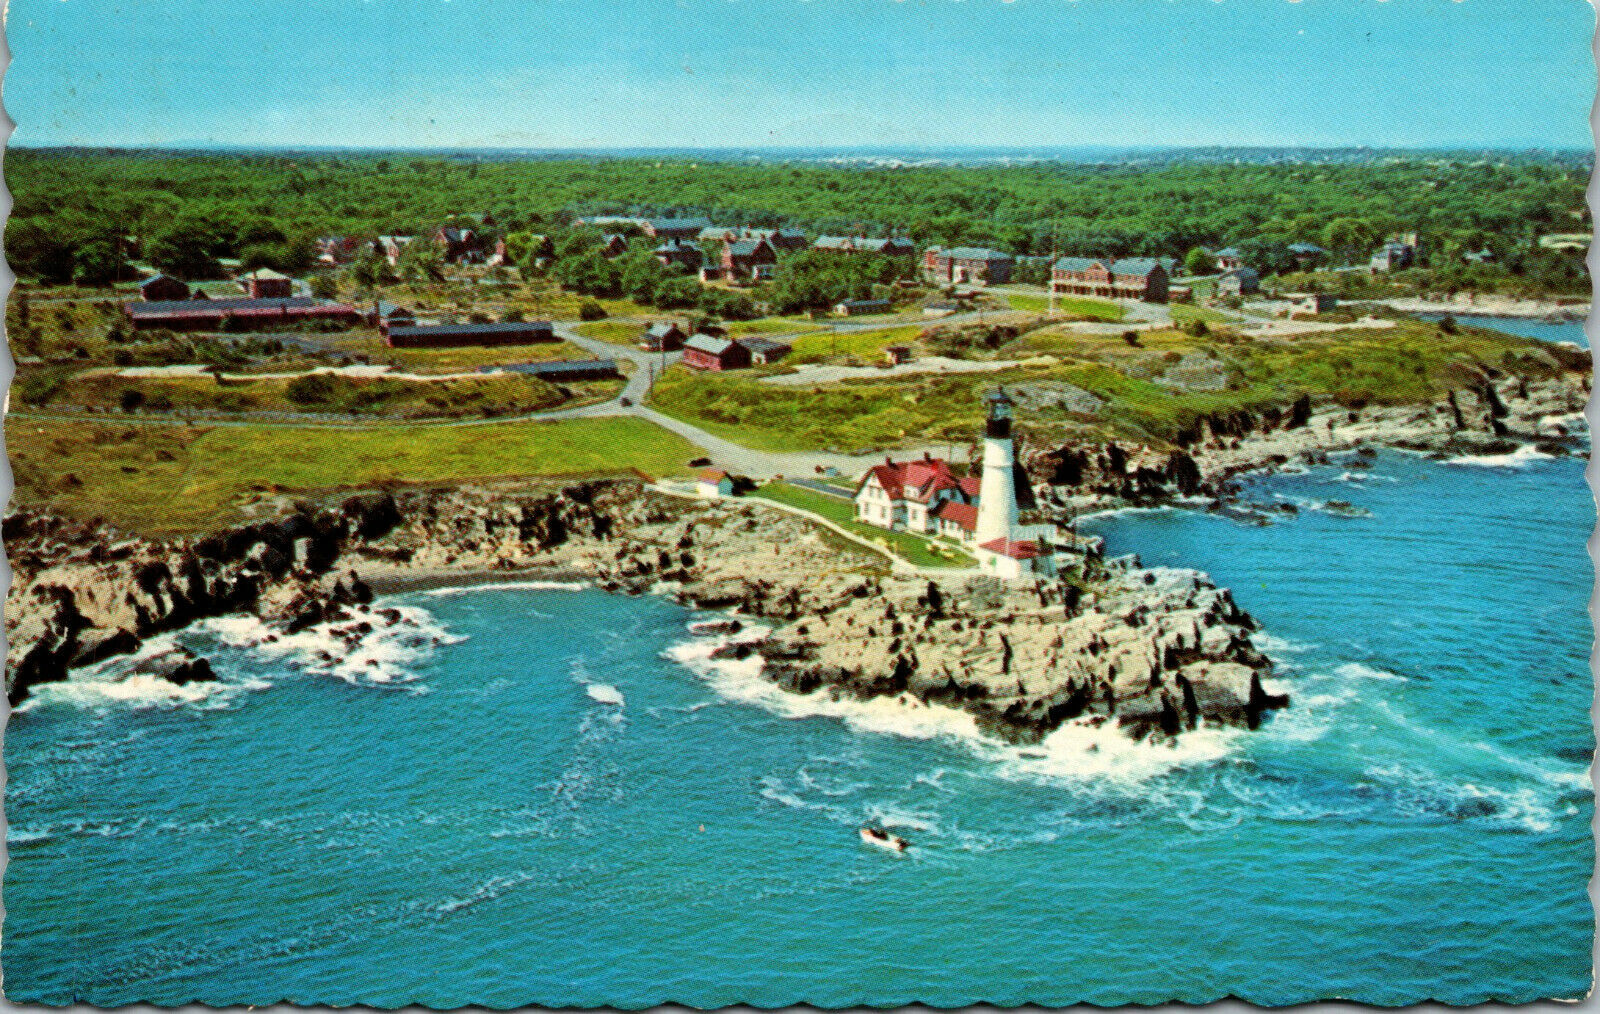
<point x="1154" y="651"/>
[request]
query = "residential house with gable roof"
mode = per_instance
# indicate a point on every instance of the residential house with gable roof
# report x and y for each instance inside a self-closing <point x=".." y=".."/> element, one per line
<point x="753" y="259"/>
<point x="676" y="251"/>
<point x="967" y="265"/>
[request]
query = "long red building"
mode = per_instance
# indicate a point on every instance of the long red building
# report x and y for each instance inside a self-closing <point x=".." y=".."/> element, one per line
<point x="249" y="314"/>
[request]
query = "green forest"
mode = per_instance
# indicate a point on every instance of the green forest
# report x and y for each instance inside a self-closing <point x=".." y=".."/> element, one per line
<point x="75" y="209"/>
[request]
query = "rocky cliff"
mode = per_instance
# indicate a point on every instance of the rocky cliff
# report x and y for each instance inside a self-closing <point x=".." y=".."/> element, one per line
<point x="1155" y="651"/>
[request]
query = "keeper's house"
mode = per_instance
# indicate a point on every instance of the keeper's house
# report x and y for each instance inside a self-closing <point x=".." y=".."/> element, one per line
<point x="449" y="336"/>
<point x="229" y="314"/>
<point x="716" y="355"/>
<point x="752" y="259"/>
<point x="966" y="265"/>
<point x="908" y="496"/>
<point x="1141" y="278"/>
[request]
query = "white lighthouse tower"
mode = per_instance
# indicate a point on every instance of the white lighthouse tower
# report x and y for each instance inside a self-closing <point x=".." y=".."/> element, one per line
<point x="997" y="494"/>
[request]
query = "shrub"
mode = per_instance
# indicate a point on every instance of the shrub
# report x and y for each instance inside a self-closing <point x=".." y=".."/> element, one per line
<point x="131" y="399"/>
<point x="311" y="389"/>
<point x="591" y="310"/>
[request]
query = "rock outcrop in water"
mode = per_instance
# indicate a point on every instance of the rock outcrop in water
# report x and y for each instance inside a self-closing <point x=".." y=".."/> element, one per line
<point x="1154" y="651"/>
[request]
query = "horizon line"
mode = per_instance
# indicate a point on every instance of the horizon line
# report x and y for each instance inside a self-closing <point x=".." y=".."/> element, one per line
<point x="1049" y="151"/>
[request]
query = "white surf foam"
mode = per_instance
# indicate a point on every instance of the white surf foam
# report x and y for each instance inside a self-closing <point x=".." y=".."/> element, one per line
<point x="1522" y="457"/>
<point x="114" y="683"/>
<point x="1359" y="671"/>
<point x="1075" y="751"/>
<point x="605" y="693"/>
<point x="386" y="653"/>
<point x="507" y="585"/>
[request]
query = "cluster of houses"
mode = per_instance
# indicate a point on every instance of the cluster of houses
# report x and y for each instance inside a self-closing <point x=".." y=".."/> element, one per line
<point x="744" y="255"/>
<point x="711" y="350"/>
<point x="456" y="243"/>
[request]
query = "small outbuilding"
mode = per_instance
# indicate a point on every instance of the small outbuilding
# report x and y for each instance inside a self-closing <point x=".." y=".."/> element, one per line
<point x="765" y="351"/>
<point x="662" y="336"/>
<point x="1238" y="282"/>
<point x="162" y="287"/>
<point x="713" y="483"/>
<point x="265" y="283"/>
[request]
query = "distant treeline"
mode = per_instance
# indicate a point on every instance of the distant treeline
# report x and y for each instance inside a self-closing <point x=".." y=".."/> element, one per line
<point x="267" y="208"/>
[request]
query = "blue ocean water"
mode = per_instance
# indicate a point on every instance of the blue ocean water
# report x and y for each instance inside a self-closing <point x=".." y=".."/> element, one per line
<point x="545" y="795"/>
<point x="1528" y="327"/>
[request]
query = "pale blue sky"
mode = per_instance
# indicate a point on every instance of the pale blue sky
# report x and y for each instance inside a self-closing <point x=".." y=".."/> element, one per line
<point x="595" y="73"/>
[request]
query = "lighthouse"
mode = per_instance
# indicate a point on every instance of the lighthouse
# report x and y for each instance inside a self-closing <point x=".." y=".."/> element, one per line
<point x="997" y="493"/>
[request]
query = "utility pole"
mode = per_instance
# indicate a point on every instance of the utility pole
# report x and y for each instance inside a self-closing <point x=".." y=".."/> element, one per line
<point x="1050" y="274"/>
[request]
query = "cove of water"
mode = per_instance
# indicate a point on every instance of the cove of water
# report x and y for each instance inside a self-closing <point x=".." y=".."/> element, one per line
<point x="533" y="795"/>
<point x="1526" y="327"/>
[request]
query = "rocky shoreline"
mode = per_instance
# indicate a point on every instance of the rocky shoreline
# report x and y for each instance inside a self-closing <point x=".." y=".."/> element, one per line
<point x="1155" y="651"/>
<point x="1487" y="417"/>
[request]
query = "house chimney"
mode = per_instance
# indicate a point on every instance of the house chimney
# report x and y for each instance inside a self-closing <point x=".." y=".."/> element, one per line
<point x="927" y="457"/>
<point x="887" y="460"/>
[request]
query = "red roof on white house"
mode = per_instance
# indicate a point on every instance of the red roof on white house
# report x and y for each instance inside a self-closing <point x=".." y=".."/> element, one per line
<point x="919" y="480"/>
<point x="1015" y="550"/>
<point x="964" y="515"/>
<point x="713" y="475"/>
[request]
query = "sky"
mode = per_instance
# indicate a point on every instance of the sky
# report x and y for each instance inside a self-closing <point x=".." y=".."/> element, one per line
<point x="808" y="73"/>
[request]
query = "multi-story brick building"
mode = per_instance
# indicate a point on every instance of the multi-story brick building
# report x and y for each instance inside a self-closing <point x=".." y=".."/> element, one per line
<point x="1141" y="278"/>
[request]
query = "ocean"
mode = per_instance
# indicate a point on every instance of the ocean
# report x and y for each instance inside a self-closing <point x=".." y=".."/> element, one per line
<point x="1527" y="327"/>
<point x="549" y="795"/>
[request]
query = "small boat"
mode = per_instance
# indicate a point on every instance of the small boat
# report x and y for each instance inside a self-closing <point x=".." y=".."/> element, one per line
<point x="883" y="839"/>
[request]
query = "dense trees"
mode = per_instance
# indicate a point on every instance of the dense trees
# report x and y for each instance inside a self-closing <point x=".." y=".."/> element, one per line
<point x="192" y="210"/>
<point x="816" y="279"/>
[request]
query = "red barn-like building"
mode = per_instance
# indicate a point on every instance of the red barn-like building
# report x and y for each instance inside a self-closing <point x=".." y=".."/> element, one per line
<point x="703" y="352"/>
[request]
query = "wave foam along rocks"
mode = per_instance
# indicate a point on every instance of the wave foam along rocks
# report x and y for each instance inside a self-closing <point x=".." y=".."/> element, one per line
<point x="367" y="649"/>
<point x="455" y="590"/>
<point x="115" y="682"/>
<point x="1078" y="750"/>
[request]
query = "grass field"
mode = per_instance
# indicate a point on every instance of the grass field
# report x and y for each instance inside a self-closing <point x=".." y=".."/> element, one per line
<point x="171" y="480"/>
<point x="617" y="332"/>
<point x="484" y="396"/>
<point x="860" y="345"/>
<point x="1091" y="309"/>
<point x="912" y="548"/>
<point x="1183" y="313"/>
<point x="367" y="343"/>
<point x="1410" y="363"/>
<point x="773" y="325"/>
<point x="859" y="415"/>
